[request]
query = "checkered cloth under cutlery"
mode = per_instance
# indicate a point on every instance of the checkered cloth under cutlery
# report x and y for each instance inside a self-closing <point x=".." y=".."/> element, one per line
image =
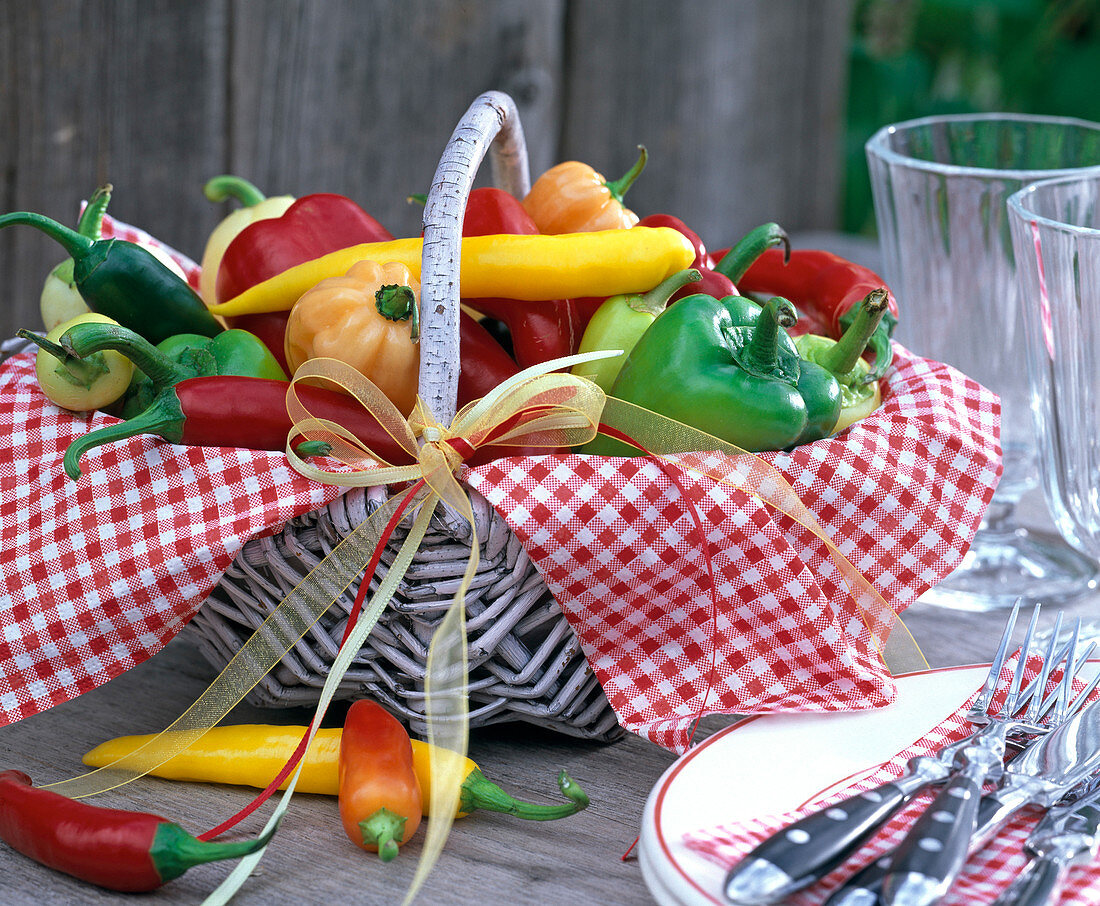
<point x="100" y="575"/>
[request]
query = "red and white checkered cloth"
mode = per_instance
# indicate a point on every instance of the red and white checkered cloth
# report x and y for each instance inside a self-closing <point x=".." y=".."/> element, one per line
<point x="901" y="495"/>
<point x="987" y="871"/>
<point x="100" y="575"/>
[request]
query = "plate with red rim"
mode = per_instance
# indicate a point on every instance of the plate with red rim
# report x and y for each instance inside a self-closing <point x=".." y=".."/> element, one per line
<point x="771" y="764"/>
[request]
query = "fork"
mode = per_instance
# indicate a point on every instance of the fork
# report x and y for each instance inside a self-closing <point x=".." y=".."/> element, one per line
<point x="808" y="849"/>
<point x="934" y="849"/>
<point x="864" y="888"/>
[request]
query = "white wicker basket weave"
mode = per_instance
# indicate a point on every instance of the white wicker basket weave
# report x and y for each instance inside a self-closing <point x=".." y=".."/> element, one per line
<point x="526" y="663"/>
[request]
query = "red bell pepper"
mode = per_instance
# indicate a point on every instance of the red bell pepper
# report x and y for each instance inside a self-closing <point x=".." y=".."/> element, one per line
<point x="540" y="330"/>
<point x="311" y="227"/>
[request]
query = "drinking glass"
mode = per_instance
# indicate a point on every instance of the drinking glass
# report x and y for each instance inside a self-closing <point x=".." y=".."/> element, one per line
<point x="940" y="187"/>
<point x="1056" y="236"/>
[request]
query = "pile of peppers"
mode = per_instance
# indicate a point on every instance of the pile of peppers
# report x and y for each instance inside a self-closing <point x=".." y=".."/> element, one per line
<point x="700" y="333"/>
<point x="760" y="345"/>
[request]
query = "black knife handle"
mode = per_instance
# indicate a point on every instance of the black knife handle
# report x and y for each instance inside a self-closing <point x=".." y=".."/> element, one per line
<point x="1038" y="885"/>
<point x="864" y="888"/>
<point x="930" y="857"/>
<point x="808" y="849"/>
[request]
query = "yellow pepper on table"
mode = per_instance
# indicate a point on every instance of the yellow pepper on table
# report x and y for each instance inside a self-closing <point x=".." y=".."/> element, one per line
<point x="253" y="754"/>
<point x="512" y="266"/>
<point x="367" y="318"/>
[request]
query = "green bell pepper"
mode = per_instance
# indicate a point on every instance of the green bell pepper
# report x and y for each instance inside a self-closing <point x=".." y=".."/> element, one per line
<point x="729" y="368"/>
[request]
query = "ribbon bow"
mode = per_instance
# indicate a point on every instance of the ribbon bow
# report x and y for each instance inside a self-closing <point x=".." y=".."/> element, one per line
<point x="538" y="408"/>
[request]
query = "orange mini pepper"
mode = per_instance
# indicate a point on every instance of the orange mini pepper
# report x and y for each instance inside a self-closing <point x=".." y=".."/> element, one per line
<point x="380" y="799"/>
<point x="573" y="198"/>
<point x="367" y="318"/>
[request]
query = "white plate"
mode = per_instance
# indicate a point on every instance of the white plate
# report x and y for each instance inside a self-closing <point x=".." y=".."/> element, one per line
<point x="770" y="764"/>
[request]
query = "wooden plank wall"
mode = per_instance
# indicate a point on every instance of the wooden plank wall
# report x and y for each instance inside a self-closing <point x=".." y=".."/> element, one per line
<point x="739" y="102"/>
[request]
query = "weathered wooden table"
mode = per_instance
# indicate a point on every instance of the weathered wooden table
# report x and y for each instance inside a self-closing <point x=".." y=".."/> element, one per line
<point x="489" y="858"/>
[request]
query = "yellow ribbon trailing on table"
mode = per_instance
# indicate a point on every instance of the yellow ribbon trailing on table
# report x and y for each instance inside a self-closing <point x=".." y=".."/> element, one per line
<point x="537" y="408"/>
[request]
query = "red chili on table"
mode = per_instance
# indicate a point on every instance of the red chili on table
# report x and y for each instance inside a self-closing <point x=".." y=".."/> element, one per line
<point x="120" y="850"/>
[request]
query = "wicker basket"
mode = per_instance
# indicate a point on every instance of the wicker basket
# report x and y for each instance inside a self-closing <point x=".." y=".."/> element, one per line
<point x="526" y="663"/>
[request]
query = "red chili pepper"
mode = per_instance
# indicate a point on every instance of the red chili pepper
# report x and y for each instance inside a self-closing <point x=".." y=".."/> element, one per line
<point x="311" y="227"/>
<point x="827" y="290"/>
<point x="540" y="330"/>
<point x="112" y="848"/>
<point x="230" y="411"/>
<point x="380" y="798"/>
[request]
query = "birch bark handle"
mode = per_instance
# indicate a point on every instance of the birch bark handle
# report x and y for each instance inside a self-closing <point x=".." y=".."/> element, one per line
<point x="490" y="123"/>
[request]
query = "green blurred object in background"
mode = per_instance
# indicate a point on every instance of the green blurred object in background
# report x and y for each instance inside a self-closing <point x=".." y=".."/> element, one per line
<point x="914" y="58"/>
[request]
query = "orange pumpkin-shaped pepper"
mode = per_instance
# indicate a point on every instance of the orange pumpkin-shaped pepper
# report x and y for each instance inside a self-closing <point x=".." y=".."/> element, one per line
<point x="368" y="318"/>
<point x="573" y="198"/>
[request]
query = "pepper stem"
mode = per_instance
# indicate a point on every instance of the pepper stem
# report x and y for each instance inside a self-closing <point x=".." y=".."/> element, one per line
<point x="398" y="303"/>
<point x="841" y="357"/>
<point x="618" y="187"/>
<point x="656" y="300"/>
<point x="174" y="850"/>
<point x="222" y="188"/>
<point x="91" y="220"/>
<point x="762" y="350"/>
<point x="739" y="259"/>
<point x="164" y="418"/>
<point x="383" y="829"/>
<point x="84" y="339"/>
<point x="82" y="371"/>
<point x="478" y="792"/>
<point x="70" y="240"/>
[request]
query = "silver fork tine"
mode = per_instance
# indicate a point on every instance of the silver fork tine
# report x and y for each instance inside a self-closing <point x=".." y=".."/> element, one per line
<point x="1047" y="667"/>
<point x="1012" y="700"/>
<point x="992" y="679"/>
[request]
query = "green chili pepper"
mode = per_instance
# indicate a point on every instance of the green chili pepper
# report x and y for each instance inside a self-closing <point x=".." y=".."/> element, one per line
<point x="127" y="283"/>
<point x="232" y="352"/>
<point x="843" y="358"/>
<point x="620" y="322"/>
<point x="729" y="368"/>
<point x="736" y="262"/>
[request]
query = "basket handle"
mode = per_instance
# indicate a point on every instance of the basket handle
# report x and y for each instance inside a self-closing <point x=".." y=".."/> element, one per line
<point x="491" y="123"/>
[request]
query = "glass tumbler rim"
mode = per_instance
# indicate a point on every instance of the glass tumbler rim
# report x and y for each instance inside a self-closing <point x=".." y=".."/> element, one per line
<point x="1017" y="201"/>
<point x="878" y="146"/>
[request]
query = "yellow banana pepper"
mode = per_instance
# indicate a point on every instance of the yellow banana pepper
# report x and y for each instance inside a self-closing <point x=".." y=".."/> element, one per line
<point x="529" y="268"/>
<point x="253" y="754"/>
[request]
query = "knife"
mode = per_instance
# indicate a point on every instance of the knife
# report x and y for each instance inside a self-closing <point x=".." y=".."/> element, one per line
<point x="1067" y="835"/>
<point x="924" y="866"/>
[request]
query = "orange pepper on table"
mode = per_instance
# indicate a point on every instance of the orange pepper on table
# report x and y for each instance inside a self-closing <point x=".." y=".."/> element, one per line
<point x="367" y="318"/>
<point x="572" y="197"/>
<point x="380" y="799"/>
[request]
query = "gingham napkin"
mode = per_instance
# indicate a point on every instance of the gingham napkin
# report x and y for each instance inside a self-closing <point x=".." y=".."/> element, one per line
<point x="97" y="576"/>
<point x="901" y="494"/>
<point x="987" y="872"/>
<point x="100" y="574"/>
